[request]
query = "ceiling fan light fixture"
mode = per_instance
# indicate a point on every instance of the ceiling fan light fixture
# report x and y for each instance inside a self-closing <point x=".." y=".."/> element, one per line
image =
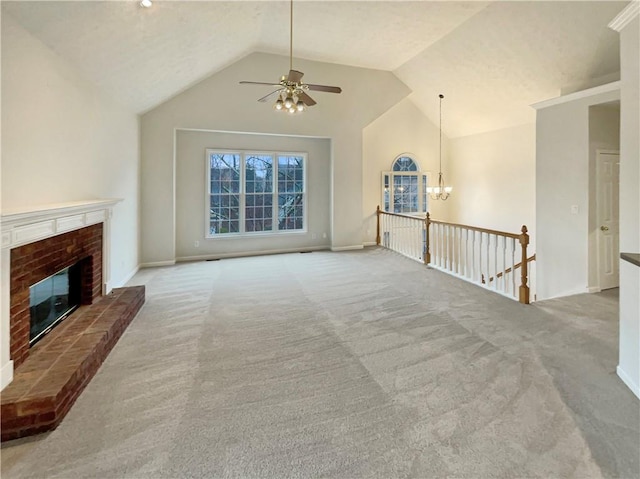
<point x="291" y="90"/>
<point x="288" y="102"/>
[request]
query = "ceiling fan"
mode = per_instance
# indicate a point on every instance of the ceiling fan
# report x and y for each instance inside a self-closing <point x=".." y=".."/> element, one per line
<point x="291" y="91"/>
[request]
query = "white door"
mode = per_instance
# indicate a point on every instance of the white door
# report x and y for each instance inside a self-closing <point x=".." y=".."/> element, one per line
<point x="607" y="188"/>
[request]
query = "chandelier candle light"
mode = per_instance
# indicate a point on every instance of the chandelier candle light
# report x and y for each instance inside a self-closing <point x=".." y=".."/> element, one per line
<point x="440" y="192"/>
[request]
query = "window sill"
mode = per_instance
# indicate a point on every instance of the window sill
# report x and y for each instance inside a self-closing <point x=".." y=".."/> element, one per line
<point x="269" y="234"/>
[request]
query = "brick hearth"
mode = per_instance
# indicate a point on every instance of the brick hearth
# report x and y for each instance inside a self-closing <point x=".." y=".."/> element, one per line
<point x="60" y="366"/>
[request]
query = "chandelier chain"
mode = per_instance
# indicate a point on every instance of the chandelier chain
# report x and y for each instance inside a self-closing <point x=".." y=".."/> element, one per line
<point x="440" y="151"/>
<point x="440" y="192"/>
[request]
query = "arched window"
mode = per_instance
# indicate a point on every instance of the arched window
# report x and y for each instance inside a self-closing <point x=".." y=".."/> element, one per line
<point x="404" y="163"/>
<point x="404" y="188"/>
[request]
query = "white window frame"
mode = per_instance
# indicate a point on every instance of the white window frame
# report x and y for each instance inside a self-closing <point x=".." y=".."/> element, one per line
<point x="423" y="182"/>
<point x="242" y="193"/>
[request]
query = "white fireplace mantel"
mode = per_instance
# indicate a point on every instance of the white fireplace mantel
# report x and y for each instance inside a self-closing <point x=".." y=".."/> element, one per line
<point x="28" y="225"/>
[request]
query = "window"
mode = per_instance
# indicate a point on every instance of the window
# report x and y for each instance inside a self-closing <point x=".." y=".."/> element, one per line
<point x="404" y="188"/>
<point x="251" y="192"/>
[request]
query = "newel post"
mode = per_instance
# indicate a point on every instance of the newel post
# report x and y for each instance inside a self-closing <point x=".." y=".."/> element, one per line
<point x="378" y="225"/>
<point x="427" y="252"/>
<point x="524" y="287"/>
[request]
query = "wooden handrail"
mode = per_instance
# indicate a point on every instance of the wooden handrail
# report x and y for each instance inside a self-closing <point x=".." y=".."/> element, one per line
<point x="508" y="270"/>
<point x="475" y="228"/>
<point x="419" y="218"/>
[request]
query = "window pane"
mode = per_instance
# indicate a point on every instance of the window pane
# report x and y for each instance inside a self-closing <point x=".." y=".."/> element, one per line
<point x="259" y="174"/>
<point x="225" y="173"/>
<point x="259" y="188"/>
<point x="290" y="211"/>
<point x="425" y="197"/>
<point x="386" y="193"/>
<point x="224" y="208"/>
<point x="405" y="193"/>
<point x="404" y="163"/>
<point x="290" y="174"/>
<point x="258" y="216"/>
<point x="224" y="211"/>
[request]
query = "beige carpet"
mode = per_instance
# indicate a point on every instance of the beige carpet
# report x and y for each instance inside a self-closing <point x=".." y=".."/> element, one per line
<point x="354" y="364"/>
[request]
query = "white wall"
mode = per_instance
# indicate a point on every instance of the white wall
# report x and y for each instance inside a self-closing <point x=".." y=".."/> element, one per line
<point x="562" y="191"/>
<point x="494" y="176"/>
<point x="604" y="134"/>
<point x="402" y="129"/>
<point x="191" y="191"/>
<point x="6" y="365"/>
<point x="63" y="140"/>
<point x="219" y="103"/>
<point x="629" y="364"/>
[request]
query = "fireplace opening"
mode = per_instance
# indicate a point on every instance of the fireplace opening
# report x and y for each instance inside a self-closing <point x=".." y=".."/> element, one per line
<point x="52" y="300"/>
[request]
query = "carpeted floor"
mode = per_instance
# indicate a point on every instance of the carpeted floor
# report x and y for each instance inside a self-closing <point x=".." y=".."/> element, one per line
<point x="353" y="364"/>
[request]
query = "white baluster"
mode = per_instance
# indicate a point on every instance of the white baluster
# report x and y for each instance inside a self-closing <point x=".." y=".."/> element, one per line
<point x="504" y="250"/>
<point x="460" y="266"/>
<point x="480" y="270"/>
<point x="495" y="262"/>
<point x="466" y="253"/>
<point x="473" y="255"/>
<point x="513" y="263"/>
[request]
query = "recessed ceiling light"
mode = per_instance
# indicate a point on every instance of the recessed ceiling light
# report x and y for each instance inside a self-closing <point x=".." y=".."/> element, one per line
<point x="145" y="3"/>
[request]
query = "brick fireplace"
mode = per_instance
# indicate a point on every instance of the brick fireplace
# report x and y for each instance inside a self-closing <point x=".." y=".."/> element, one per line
<point x="33" y="262"/>
<point x="40" y="383"/>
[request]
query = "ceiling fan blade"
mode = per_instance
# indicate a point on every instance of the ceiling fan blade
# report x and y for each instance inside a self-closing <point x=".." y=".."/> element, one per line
<point x="266" y="97"/>
<point x="306" y="99"/>
<point x="258" y="83"/>
<point x="325" y="88"/>
<point x="295" y="76"/>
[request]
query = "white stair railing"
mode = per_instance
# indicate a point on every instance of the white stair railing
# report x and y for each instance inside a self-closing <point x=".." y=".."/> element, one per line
<point x="404" y="234"/>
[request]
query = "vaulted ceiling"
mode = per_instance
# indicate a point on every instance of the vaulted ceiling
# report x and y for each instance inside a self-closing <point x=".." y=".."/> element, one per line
<point x="491" y="60"/>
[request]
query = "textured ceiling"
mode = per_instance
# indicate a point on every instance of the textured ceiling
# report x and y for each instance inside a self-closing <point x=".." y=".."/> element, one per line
<point x="490" y="59"/>
<point x="510" y="55"/>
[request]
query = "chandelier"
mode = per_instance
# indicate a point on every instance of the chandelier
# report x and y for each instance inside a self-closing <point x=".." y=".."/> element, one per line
<point x="440" y="192"/>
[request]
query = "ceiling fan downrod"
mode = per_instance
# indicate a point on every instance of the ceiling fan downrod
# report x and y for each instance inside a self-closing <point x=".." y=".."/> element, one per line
<point x="291" y="36"/>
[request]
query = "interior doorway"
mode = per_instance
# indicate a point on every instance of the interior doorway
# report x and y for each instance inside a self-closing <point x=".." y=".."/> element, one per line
<point x="604" y="181"/>
<point x="608" y="231"/>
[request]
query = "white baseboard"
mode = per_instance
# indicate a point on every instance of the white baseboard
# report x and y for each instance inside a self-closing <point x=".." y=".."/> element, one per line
<point x="6" y="374"/>
<point x="635" y="389"/>
<point x="347" y="248"/>
<point x="156" y="264"/>
<point x="369" y="243"/>
<point x="593" y="289"/>
<point x="128" y="277"/>
<point x="244" y="254"/>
